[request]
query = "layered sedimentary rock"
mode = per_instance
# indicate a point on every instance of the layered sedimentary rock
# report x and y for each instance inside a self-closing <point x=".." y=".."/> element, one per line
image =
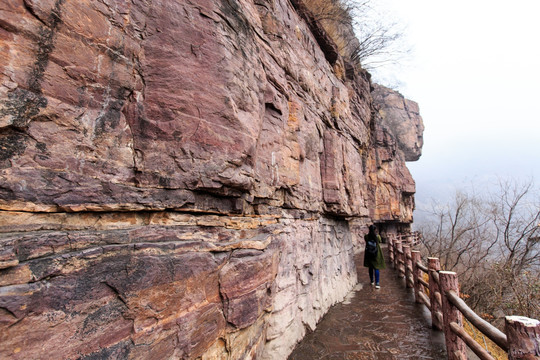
<point x="402" y="118"/>
<point x="181" y="179"/>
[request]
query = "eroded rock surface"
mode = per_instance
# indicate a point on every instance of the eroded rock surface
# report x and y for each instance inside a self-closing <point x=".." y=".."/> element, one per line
<point x="181" y="179"/>
<point x="402" y="118"/>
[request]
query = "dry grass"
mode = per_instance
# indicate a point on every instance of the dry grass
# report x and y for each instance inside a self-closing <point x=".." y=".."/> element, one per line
<point x="425" y="277"/>
<point x="485" y="342"/>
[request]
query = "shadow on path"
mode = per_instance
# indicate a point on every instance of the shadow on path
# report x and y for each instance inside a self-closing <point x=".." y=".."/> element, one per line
<point x="374" y="324"/>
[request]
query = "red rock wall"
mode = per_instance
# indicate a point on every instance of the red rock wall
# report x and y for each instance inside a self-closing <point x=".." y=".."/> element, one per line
<point x="180" y="179"/>
<point x="402" y="118"/>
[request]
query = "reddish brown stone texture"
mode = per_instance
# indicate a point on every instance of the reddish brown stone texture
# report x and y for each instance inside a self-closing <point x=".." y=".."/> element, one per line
<point x="152" y="102"/>
<point x="155" y="297"/>
<point x="124" y="125"/>
<point x="402" y="119"/>
<point x="246" y="283"/>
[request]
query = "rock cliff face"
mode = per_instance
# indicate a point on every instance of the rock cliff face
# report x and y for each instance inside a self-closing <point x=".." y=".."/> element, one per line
<point x="402" y="118"/>
<point x="181" y="179"/>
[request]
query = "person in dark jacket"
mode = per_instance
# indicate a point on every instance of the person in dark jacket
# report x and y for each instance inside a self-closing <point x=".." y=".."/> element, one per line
<point x="373" y="260"/>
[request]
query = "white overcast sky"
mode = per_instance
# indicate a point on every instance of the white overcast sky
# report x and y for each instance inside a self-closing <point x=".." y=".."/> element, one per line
<point x="475" y="72"/>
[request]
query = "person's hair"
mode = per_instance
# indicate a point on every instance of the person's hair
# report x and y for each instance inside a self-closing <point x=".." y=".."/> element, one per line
<point x="371" y="234"/>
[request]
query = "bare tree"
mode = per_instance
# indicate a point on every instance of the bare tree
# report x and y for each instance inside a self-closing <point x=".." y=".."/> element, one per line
<point x="381" y="40"/>
<point x="362" y="34"/>
<point x="516" y="218"/>
<point x="458" y="232"/>
<point x="493" y="244"/>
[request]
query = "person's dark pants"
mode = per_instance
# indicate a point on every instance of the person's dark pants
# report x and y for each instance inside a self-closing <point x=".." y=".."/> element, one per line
<point x="371" y="271"/>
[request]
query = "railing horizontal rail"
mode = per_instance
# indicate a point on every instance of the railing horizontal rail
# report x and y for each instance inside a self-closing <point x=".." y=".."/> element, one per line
<point x="438" y="298"/>
<point x="410" y="281"/>
<point x="471" y="343"/>
<point x="422" y="267"/>
<point x="423" y="282"/>
<point x="425" y="300"/>
<point x="497" y="336"/>
<point x="439" y="316"/>
<point x="436" y="277"/>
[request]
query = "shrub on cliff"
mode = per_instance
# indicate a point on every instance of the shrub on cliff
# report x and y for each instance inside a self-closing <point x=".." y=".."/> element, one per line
<point x="362" y="35"/>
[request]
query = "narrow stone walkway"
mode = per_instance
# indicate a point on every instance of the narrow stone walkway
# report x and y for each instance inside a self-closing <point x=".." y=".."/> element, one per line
<point x="374" y="324"/>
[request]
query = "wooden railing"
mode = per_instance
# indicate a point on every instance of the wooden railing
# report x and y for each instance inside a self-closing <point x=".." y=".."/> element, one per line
<point x="440" y="294"/>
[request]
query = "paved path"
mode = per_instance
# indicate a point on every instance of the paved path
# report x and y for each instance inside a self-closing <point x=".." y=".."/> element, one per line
<point x="374" y="325"/>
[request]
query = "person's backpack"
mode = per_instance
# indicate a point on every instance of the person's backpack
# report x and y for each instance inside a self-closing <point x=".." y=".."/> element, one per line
<point x="371" y="247"/>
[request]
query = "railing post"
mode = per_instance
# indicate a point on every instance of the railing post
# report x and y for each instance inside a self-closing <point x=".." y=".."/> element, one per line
<point x="408" y="265"/>
<point x="399" y="256"/>
<point x="523" y="337"/>
<point x="434" y="266"/>
<point x="417" y="273"/>
<point x="455" y="347"/>
<point x="391" y="240"/>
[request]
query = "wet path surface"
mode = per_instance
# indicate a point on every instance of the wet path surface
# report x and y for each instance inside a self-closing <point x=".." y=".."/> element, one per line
<point x="374" y="324"/>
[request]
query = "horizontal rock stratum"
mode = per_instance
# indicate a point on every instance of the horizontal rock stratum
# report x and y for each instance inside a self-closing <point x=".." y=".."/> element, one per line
<point x="184" y="179"/>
